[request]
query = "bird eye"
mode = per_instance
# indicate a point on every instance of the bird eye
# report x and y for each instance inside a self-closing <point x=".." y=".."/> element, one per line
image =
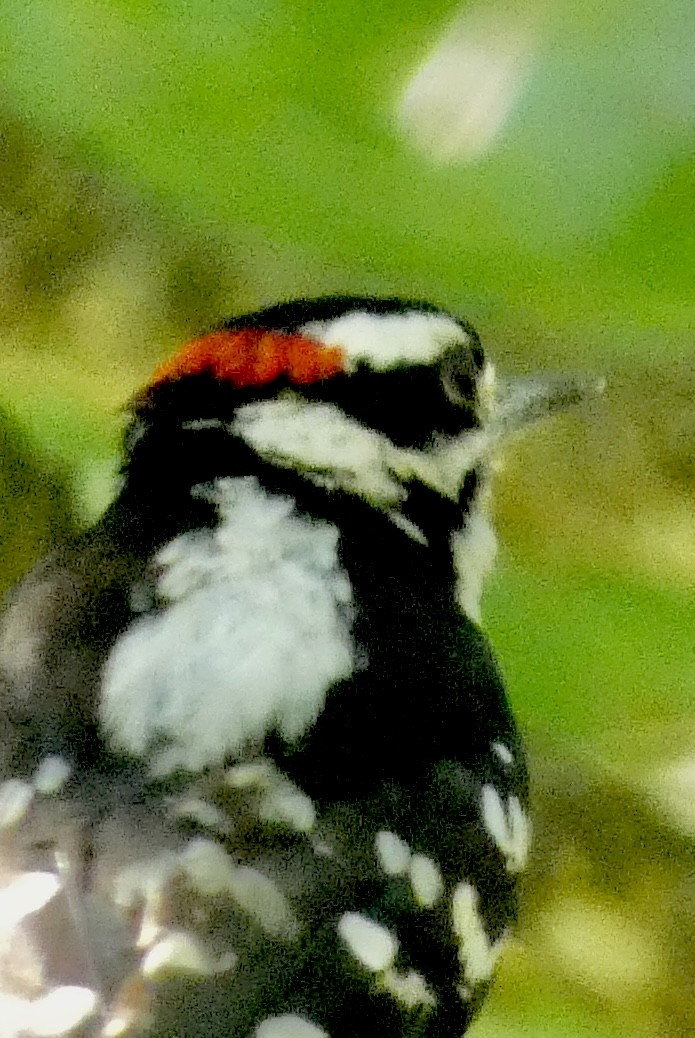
<point x="459" y="374"/>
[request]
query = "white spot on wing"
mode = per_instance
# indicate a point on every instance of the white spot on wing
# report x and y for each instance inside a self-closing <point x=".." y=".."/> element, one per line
<point x="396" y="859"/>
<point x="23" y="895"/>
<point x="258" y="774"/>
<point x="410" y="989"/>
<point x="256" y="630"/>
<point x="212" y="872"/>
<point x="51" y="775"/>
<point x="59" y="1011"/>
<point x="197" y="809"/>
<point x="371" y="943"/>
<point x="426" y="880"/>
<point x="178" y="952"/>
<point x="508" y="826"/>
<point x="280" y="800"/>
<point x="263" y="900"/>
<point x="290" y="806"/>
<point x="503" y="752"/>
<point x="386" y="340"/>
<point x="393" y="853"/>
<point x="477" y="954"/>
<point x="288" y="1026"/>
<point x="16" y="796"/>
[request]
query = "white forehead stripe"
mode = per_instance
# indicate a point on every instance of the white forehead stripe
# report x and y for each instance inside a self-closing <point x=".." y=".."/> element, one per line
<point x="386" y="340"/>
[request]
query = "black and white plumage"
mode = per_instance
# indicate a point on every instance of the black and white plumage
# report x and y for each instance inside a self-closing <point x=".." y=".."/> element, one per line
<point x="261" y="778"/>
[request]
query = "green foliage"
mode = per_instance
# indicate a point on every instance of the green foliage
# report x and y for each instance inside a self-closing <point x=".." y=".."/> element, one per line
<point x="283" y="117"/>
<point x="35" y="509"/>
<point x="590" y="654"/>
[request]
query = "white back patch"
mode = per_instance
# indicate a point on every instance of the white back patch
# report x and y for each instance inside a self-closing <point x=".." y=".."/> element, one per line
<point x="256" y="630"/>
<point x="386" y="340"/>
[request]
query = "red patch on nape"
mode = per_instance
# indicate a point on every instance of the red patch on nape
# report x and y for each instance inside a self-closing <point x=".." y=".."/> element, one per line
<point x="254" y="357"/>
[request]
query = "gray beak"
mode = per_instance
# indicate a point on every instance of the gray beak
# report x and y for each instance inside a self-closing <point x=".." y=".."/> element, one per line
<point x="523" y="401"/>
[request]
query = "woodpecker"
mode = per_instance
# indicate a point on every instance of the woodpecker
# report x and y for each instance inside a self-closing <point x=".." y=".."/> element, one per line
<point x="260" y="776"/>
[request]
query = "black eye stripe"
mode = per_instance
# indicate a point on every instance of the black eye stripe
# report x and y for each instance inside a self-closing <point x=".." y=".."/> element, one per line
<point x="409" y="405"/>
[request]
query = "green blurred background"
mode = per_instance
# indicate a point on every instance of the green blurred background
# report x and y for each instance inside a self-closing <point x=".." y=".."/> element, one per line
<point x="528" y="165"/>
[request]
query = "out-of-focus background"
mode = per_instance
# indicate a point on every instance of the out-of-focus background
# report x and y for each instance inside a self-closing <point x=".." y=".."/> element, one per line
<point x="530" y="166"/>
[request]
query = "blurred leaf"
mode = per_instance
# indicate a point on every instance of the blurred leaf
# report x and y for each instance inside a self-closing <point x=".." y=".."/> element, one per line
<point x="596" y="660"/>
<point x="282" y="118"/>
<point x="35" y="504"/>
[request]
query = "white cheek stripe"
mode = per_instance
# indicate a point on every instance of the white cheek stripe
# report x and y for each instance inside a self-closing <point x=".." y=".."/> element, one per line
<point x="508" y="826"/>
<point x="322" y="441"/>
<point x="337" y="451"/>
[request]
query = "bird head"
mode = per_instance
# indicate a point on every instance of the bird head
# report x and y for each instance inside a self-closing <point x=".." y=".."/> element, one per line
<point x="379" y="399"/>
